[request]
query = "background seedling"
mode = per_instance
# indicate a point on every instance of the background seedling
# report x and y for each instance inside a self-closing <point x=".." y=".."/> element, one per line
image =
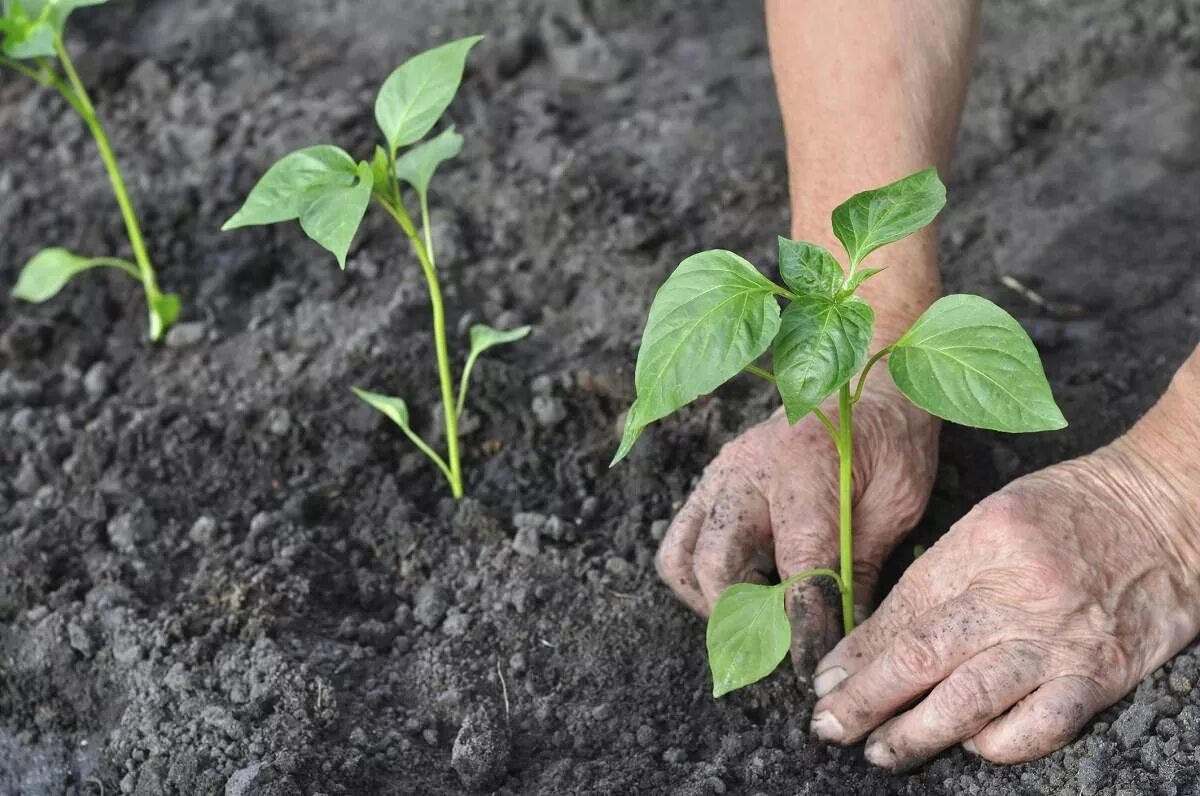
<point x="328" y="192"/>
<point x="964" y="360"/>
<point x="32" y="32"/>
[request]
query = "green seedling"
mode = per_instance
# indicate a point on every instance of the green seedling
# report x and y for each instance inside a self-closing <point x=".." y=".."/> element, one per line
<point x="964" y="360"/>
<point x="328" y="192"/>
<point x="32" y="35"/>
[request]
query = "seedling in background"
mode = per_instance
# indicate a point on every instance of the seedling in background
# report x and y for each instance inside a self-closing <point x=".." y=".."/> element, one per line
<point x="964" y="360"/>
<point x="328" y="192"/>
<point x="32" y="32"/>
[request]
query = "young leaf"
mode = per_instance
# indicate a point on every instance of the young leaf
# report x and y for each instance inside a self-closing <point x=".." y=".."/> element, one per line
<point x="484" y="337"/>
<point x="381" y="171"/>
<point x="334" y="213"/>
<point x="50" y="269"/>
<point x="871" y="219"/>
<point x="416" y="94"/>
<point x="748" y="635"/>
<point x="31" y="25"/>
<point x="970" y="362"/>
<point x="713" y="316"/>
<point x="808" y="268"/>
<point x="397" y="411"/>
<point x="860" y="276"/>
<point x="164" y="311"/>
<point x="822" y="342"/>
<point x="289" y="185"/>
<point x="417" y="165"/>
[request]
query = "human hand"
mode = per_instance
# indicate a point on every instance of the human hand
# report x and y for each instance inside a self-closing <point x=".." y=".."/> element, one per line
<point x="1044" y="605"/>
<point x="768" y="502"/>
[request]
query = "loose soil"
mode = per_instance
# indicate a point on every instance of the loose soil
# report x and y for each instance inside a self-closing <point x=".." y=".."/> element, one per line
<point x="220" y="573"/>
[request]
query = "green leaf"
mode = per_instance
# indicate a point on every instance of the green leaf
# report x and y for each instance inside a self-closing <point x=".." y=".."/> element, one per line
<point x="30" y="26"/>
<point x="748" y="635"/>
<point x="484" y="337"/>
<point x="713" y="316"/>
<point x="860" y="276"/>
<point x="289" y="185"/>
<point x="970" y="362"/>
<point x="164" y="311"/>
<point x="871" y="219"/>
<point x="50" y="269"/>
<point x="417" y="165"/>
<point x="381" y="173"/>
<point x="393" y="408"/>
<point x="319" y="185"/>
<point x="333" y="215"/>
<point x="416" y="94"/>
<point x="822" y="342"/>
<point x="809" y="268"/>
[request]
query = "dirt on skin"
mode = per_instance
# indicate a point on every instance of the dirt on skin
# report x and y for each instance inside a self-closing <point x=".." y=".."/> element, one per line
<point x="220" y="573"/>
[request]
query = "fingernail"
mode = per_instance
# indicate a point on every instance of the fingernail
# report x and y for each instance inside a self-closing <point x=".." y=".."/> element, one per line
<point x="880" y="754"/>
<point x="826" y="726"/>
<point x="969" y="746"/>
<point x="828" y="680"/>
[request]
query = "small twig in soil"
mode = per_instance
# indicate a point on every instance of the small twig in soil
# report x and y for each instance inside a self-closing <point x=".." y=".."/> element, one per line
<point x="504" y="693"/>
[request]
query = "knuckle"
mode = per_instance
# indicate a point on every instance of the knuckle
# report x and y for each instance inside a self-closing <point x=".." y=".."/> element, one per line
<point x="965" y="698"/>
<point x="672" y="562"/>
<point x="914" y="655"/>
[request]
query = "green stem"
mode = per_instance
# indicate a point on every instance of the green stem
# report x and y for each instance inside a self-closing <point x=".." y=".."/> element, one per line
<point x="845" y="503"/>
<point x="21" y="68"/>
<point x="426" y="229"/>
<point x="83" y="103"/>
<point x="810" y="573"/>
<point x="440" y="346"/>
<point x="833" y="432"/>
<point x="862" y="378"/>
<point x="117" y="262"/>
<point x="757" y="371"/>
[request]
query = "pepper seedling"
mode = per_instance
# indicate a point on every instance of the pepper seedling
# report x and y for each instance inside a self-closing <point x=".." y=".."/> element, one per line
<point x="32" y="45"/>
<point x="965" y="360"/>
<point x="328" y="192"/>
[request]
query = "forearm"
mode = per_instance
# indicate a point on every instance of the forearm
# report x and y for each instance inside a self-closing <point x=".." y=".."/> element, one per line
<point x="870" y="91"/>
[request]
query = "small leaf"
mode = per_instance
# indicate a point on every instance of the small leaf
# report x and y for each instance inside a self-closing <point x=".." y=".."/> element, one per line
<point x="381" y="171"/>
<point x="164" y="311"/>
<point x="48" y="271"/>
<point x="822" y="343"/>
<point x="288" y="186"/>
<point x="484" y="337"/>
<point x="860" y="276"/>
<point x="333" y="214"/>
<point x="416" y="94"/>
<point x="871" y="219"/>
<point x="394" y="408"/>
<point x="809" y="268"/>
<point x="748" y="635"/>
<point x="713" y="316"/>
<point x="417" y="165"/>
<point x="31" y="25"/>
<point x="970" y="362"/>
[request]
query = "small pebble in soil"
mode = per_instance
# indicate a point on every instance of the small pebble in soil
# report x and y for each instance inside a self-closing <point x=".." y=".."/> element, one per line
<point x="182" y="335"/>
<point x="658" y="529"/>
<point x="548" y="411"/>
<point x="1132" y="725"/>
<point x="96" y="381"/>
<point x="481" y="748"/>
<point x="203" y="531"/>
<point x="279" y="421"/>
<point x="430" y="604"/>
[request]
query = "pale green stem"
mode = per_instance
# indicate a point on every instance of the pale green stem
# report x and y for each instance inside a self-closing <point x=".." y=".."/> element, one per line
<point x="84" y="105"/>
<point x="833" y="432"/>
<point x="811" y="573"/>
<point x="845" y="501"/>
<point x="757" y="371"/>
<point x="21" y="68"/>
<point x="440" y="347"/>
<point x="116" y="262"/>
<point x="862" y="379"/>
<point x="466" y="379"/>
<point x="426" y="229"/>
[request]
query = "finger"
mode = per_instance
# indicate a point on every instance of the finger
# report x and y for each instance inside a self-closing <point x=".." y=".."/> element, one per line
<point x="1044" y="721"/>
<point x="920" y="589"/>
<point x="919" y="657"/>
<point x="674" y="559"/>
<point x="958" y="707"/>
<point x="734" y="545"/>
<point x="806" y="537"/>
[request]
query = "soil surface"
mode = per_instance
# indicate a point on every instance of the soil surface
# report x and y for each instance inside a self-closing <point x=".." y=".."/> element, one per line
<point x="221" y="573"/>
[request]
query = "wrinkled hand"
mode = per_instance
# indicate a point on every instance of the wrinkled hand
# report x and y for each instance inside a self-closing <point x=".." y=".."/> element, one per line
<point x="1044" y="605"/>
<point x="769" y="502"/>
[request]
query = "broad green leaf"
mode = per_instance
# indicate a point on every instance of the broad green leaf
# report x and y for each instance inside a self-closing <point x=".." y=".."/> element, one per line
<point x="417" y="165"/>
<point x="484" y="337"/>
<point x="808" y="268"/>
<point x="970" y="362"/>
<point x="871" y="219"/>
<point x="289" y="186"/>
<point x="30" y="26"/>
<point x="748" y="635"/>
<point x="164" y="311"/>
<point x="416" y="94"/>
<point x="713" y="316"/>
<point x="50" y="269"/>
<point x="860" y="276"/>
<point x="333" y="213"/>
<point x="822" y="342"/>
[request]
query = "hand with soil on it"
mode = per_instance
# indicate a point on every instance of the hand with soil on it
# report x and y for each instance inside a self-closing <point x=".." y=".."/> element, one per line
<point x="768" y="504"/>
<point x="1046" y="604"/>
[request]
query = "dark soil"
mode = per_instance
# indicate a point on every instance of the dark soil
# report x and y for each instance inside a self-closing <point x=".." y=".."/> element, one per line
<point x="220" y="573"/>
